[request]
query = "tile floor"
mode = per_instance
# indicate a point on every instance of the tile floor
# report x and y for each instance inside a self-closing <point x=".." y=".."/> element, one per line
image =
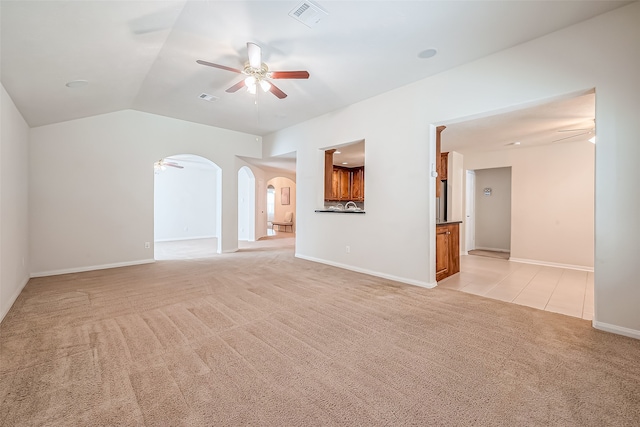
<point x="554" y="289"/>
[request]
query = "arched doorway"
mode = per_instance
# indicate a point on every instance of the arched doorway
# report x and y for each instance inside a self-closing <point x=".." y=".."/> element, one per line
<point x="187" y="207"/>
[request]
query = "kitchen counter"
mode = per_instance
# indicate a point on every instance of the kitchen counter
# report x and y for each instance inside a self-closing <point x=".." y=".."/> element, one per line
<point x="346" y="211"/>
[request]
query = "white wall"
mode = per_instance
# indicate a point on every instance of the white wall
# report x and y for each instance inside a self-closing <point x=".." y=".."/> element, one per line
<point x="395" y="236"/>
<point x="14" y="203"/>
<point x="246" y="204"/>
<point x="552" y="217"/>
<point x="455" y="188"/>
<point x="91" y="186"/>
<point x="185" y="201"/>
<point x="493" y="212"/>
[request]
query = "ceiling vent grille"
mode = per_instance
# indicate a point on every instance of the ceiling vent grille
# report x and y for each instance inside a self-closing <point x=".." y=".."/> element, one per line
<point x="208" y="97"/>
<point x="308" y="13"/>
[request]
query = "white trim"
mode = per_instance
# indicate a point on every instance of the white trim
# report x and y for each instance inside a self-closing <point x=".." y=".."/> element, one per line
<point x="13" y="298"/>
<point x="620" y="330"/>
<point x="91" y="268"/>
<point x="171" y="239"/>
<point x="370" y="272"/>
<point x="552" y="264"/>
<point x="480" y="248"/>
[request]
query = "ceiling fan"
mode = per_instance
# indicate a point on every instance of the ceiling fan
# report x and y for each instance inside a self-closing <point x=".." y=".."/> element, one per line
<point x="576" y="133"/>
<point x="162" y="164"/>
<point x="258" y="73"/>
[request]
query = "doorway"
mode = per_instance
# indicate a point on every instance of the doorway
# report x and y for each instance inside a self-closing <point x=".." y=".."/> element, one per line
<point x="187" y="207"/>
<point x="271" y="208"/>
<point x="490" y="200"/>
<point x="551" y="155"/>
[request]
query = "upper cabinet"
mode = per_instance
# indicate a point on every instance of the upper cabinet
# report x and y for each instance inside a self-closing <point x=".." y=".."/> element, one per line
<point x="346" y="184"/>
<point x="444" y="166"/>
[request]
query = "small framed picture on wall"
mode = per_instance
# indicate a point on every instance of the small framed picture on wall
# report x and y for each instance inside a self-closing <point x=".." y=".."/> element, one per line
<point x="284" y="195"/>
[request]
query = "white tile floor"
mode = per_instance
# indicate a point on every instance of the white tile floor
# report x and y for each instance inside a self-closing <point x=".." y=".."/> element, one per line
<point x="554" y="289"/>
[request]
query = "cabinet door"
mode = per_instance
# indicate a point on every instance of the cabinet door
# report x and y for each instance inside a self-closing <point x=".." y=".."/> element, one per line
<point x="442" y="252"/>
<point x="344" y="192"/>
<point x="357" y="184"/>
<point x="335" y="184"/>
<point x="444" y="166"/>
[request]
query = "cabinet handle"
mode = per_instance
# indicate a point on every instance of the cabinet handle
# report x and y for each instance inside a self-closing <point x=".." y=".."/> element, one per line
<point x="448" y="232"/>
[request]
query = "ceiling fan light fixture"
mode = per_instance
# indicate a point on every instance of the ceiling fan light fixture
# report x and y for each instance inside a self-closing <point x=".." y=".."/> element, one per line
<point x="265" y="85"/>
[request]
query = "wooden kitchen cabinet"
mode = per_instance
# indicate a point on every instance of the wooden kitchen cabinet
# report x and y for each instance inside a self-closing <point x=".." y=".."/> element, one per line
<point x="347" y="184"/>
<point x="444" y="166"/>
<point x="357" y="184"/>
<point x="447" y="250"/>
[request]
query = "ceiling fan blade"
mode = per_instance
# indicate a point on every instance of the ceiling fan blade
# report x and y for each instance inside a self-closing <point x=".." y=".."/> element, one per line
<point x="572" y="136"/>
<point x="574" y="130"/>
<point x="236" y="87"/>
<point x="289" y="74"/>
<point x="173" y="165"/>
<point x="255" y="55"/>
<point x="276" y="91"/>
<point x="222" y="67"/>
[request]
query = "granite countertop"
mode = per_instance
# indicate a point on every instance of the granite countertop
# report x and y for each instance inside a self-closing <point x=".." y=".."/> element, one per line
<point x="448" y="222"/>
<point x="345" y="211"/>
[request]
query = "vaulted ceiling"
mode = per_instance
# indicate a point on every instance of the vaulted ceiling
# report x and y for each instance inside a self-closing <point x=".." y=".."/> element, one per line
<point x="142" y="54"/>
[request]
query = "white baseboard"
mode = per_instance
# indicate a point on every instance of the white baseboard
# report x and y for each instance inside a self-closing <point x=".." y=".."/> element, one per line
<point x="178" y="239"/>
<point x="620" y="330"/>
<point x="370" y="272"/>
<point x="552" y="264"/>
<point x="91" y="268"/>
<point x="12" y="299"/>
<point x="479" y="248"/>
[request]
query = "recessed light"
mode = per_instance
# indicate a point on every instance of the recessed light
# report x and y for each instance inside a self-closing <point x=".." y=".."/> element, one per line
<point x="76" y="83"/>
<point x="514" y="143"/>
<point x="345" y="163"/>
<point x="337" y="152"/>
<point x="428" y="53"/>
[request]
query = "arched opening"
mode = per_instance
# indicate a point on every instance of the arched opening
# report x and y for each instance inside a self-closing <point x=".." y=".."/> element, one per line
<point x="187" y="207"/>
<point x="246" y="204"/>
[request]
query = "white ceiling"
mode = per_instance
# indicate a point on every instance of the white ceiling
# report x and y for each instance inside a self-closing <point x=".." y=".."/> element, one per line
<point x="564" y="120"/>
<point x="142" y="54"/>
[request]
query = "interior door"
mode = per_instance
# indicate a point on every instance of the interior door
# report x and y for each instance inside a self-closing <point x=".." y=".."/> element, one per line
<point x="470" y="212"/>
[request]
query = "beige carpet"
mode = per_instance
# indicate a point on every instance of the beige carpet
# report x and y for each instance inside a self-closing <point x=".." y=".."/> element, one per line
<point x="260" y="338"/>
<point x="490" y="254"/>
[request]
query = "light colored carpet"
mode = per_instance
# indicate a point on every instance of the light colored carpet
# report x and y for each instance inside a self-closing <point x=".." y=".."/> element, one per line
<point x="490" y="254"/>
<point x="261" y="338"/>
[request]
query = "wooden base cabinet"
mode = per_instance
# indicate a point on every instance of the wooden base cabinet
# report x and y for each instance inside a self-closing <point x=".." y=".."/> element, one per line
<point x="447" y="250"/>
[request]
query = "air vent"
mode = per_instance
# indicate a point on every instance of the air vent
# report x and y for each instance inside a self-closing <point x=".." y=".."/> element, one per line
<point x="208" y="97"/>
<point x="308" y="13"/>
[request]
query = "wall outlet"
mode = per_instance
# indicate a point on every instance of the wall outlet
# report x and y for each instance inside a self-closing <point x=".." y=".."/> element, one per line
<point x="347" y="249"/>
<point x="147" y="245"/>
